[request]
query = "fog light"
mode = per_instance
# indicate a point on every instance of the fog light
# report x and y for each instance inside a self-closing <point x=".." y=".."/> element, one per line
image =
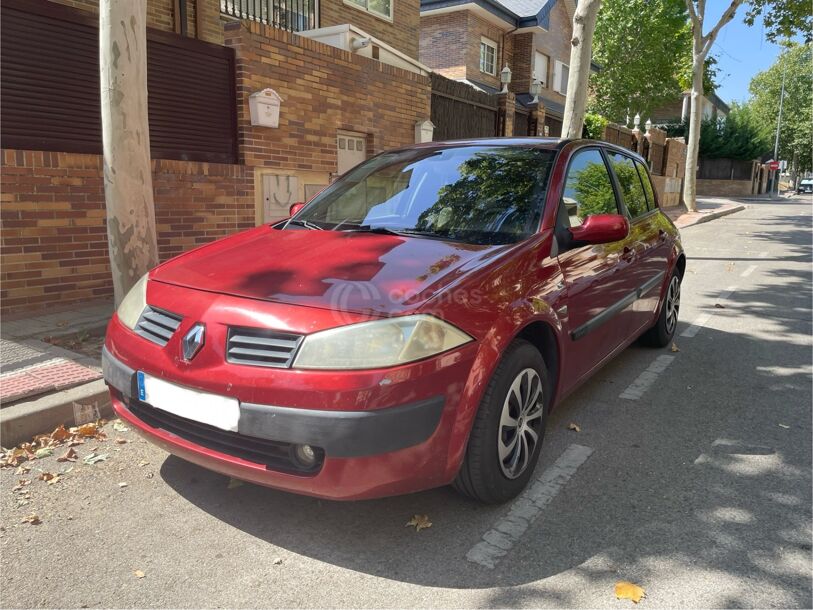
<point x="305" y="455"/>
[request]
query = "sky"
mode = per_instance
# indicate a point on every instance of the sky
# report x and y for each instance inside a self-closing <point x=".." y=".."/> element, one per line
<point x="741" y="51"/>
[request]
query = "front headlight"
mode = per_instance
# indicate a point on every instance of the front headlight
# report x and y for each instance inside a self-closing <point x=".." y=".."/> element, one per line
<point x="133" y="304"/>
<point x="378" y="344"/>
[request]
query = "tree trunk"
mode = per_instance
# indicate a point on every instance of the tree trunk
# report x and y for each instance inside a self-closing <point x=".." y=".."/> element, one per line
<point x="581" y="51"/>
<point x="126" y="142"/>
<point x="695" y="118"/>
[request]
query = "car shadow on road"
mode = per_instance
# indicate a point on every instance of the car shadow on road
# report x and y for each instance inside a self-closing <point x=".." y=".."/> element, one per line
<point x="694" y="485"/>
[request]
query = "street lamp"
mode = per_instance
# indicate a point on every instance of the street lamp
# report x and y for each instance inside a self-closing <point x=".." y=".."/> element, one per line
<point x="536" y="87"/>
<point x="505" y="78"/>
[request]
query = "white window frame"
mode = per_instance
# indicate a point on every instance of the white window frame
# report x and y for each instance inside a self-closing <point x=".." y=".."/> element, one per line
<point x="364" y="5"/>
<point x="544" y="79"/>
<point x="557" y="77"/>
<point x="487" y="42"/>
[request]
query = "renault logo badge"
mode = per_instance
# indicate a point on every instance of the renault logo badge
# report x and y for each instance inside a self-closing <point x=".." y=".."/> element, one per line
<point x="193" y="341"/>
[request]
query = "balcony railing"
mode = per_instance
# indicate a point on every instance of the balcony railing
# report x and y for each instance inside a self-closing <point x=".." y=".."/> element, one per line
<point x="291" y="15"/>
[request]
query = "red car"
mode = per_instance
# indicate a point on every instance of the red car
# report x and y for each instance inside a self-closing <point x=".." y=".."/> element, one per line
<point x="410" y="327"/>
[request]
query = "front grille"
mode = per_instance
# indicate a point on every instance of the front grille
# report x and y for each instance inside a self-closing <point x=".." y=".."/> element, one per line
<point x="157" y="325"/>
<point x="260" y="347"/>
<point x="273" y="455"/>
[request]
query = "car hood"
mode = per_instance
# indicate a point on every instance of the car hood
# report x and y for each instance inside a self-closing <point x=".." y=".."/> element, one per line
<point x="350" y="271"/>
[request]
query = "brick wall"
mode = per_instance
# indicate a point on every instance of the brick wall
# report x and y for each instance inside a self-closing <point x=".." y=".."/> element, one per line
<point x="555" y="43"/>
<point x="402" y="32"/>
<point x="53" y="239"/>
<point x="444" y="39"/>
<point x="522" y="65"/>
<point x="324" y="89"/>
<point x="723" y="188"/>
<point x="161" y="16"/>
<point x="477" y="28"/>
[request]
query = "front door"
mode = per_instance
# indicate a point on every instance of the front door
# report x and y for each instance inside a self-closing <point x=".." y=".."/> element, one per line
<point x="599" y="289"/>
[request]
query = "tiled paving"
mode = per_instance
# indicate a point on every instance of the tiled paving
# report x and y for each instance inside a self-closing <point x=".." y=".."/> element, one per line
<point x="30" y="367"/>
<point x="705" y="206"/>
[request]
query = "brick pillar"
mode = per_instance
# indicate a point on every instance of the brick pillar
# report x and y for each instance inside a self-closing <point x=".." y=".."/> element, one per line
<point x="537" y="119"/>
<point x="506" y="103"/>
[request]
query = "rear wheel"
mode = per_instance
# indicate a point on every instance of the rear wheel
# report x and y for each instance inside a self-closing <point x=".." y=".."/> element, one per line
<point x="661" y="334"/>
<point x="508" y="429"/>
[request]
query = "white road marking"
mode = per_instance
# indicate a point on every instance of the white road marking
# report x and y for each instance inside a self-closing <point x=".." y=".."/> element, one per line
<point x="501" y="538"/>
<point x="748" y="271"/>
<point x="763" y="254"/>
<point x="645" y="380"/>
<point x="701" y="320"/>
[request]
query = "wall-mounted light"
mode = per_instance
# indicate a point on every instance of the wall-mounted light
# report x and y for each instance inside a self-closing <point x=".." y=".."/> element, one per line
<point x="536" y="87"/>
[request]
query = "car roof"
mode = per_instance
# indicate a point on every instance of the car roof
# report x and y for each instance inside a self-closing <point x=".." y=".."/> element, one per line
<point x="535" y="142"/>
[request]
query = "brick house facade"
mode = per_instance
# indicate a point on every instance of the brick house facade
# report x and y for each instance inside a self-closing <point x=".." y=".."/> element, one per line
<point x="452" y="32"/>
<point x="53" y="234"/>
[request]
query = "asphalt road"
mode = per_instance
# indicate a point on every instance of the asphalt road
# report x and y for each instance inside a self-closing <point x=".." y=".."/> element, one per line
<point x="696" y="485"/>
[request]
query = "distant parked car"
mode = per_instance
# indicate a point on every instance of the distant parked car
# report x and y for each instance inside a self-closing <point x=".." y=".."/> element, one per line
<point x="410" y="327"/>
<point x="805" y="186"/>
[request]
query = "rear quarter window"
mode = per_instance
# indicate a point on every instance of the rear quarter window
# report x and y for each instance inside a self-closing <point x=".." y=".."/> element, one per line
<point x="629" y="180"/>
<point x="647" y="182"/>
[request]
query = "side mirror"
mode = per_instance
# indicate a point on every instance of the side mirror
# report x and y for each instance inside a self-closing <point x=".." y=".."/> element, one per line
<point x="295" y="207"/>
<point x="601" y="229"/>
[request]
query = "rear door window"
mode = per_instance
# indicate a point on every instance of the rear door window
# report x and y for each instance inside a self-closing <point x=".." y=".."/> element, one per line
<point x="647" y="182"/>
<point x="632" y="190"/>
<point x="588" y="187"/>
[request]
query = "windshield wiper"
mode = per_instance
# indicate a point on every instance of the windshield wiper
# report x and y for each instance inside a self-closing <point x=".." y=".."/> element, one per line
<point x="304" y="223"/>
<point x="388" y="231"/>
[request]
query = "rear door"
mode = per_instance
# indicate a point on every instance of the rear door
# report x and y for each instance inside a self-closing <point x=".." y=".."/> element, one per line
<point x="647" y="240"/>
<point x="598" y="290"/>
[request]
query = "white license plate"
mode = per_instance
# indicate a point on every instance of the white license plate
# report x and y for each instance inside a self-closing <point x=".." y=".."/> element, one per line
<point x="218" y="411"/>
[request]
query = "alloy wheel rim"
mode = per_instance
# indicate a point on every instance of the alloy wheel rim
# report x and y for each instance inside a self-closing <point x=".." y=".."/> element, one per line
<point x="672" y="304"/>
<point x="520" y="423"/>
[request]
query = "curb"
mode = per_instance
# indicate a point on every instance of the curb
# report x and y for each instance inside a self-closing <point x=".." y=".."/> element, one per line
<point x="75" y="406"/>
<point x="713" y="216"/>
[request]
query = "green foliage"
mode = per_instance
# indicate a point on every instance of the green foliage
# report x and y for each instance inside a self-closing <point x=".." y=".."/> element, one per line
<point x="782" y="18"/>
<point x="592" y="188"/>
<point x="594" y="125"/>
<point x="710" y="73"/>
<point x="642" y="47"/>
<point x="796" y="133"/>
<point x="738" y="136"/>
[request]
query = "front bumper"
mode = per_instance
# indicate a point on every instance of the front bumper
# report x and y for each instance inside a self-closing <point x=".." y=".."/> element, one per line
<point x="340" y="434"/>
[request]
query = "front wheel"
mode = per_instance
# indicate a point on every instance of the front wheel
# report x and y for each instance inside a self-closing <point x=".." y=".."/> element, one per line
<point x="508" y="429"/>
<point x="661" y="334"/>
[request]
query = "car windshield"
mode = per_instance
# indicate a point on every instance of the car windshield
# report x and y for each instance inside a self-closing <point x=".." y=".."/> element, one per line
<point x="474" y="194"/>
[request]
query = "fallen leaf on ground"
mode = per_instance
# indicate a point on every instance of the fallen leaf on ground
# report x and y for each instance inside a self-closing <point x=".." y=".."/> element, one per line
<point x="45" y="476"/>
<point x="60" y="434"/>
<point x="93" y="458"/>
<point x="69" y="456"/>
<point x="574" y="427"/>
<point x="122" y="484"/>
<point x="143" y="463"/>
<point x="138" y="574"/>
<point x="22" y="470"/>
<point x="44" y="452"/>
<point x="718" y="306"/>
<point x="119" y="426"/>
<point x="277" y="561"/>
<point x="91" y="429"/>
<point x="20" y="484"/>
<point x="627" y="590"/>
<point x="675" y="348"/>
<point x="56" y="479"/>
<point x="75" y="442"/>
<point x="234" y="483"/>
<point x="120" y="441"/>
<point x="32" y="519"/>
<point x="420" y="522"/>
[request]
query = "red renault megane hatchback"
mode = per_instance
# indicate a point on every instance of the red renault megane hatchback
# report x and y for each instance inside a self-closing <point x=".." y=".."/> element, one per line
<point x="410" y="327"/>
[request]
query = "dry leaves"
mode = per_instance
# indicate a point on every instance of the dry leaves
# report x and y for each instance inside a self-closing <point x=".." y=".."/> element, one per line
<point x="420" y="522"/>
<point x="675" y="348"/>
<point x="628" y="590"/>
<point x="575" y="427"/>
<point x="138" y="574"/>
<point x="120" y="441"/>
<point x="33" y="519"/>
<point x="69" y="456"/>
<point x="119" y="426"/>
<point x="43" y="445"/>
<point x="93" y="458"/>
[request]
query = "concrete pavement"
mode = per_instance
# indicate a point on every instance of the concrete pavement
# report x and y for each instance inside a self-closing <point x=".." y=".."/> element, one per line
<point x="697" y="484"/>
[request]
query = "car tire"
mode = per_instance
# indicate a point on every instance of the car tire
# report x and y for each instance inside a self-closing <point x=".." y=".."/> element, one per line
<point x="484" y="475"/>
<point x="661" y="334"/>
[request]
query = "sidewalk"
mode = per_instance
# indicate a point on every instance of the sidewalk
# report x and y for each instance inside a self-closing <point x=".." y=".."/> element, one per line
<point x="50" y="371"/>
<point x="708" y="208"/>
